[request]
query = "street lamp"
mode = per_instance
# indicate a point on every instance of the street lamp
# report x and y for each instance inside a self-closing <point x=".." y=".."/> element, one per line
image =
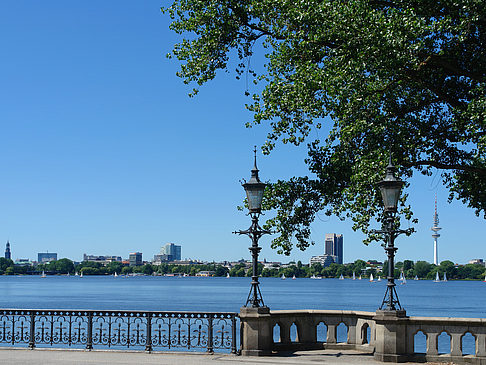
<point x="390" y="188"/>
<point x="254" y="192"/>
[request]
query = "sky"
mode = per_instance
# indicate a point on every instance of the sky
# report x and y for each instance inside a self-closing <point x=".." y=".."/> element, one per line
<point x="104" y="153"/>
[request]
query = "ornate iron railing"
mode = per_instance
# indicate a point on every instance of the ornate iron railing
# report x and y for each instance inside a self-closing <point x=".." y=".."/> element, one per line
<point x="130" y="329"/>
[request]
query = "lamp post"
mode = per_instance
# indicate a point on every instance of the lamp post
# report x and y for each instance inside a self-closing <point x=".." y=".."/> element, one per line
<point x="390" y="188"/>
<point x="254" y="193"/>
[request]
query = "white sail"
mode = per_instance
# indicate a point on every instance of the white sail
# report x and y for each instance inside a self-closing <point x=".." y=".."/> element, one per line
<point x="43" y="274"/>
<point x="293" y="277"/>
<point x="283" y="277"/>
<point x="379" y="278"/>
<point x="341" y="277"/>
<point x="314" y="277"/>
<point x="81" y="275"/>
<point x="359" y="277"/>
<point x="227" y="275"/>
<point x="437" y="279"/>
<point x="115" y="274"/>
<point x="371" y="277"/>
<point x="445" y="276"/>
<point x="354" y="276"/>
<point x="416" y="277"/>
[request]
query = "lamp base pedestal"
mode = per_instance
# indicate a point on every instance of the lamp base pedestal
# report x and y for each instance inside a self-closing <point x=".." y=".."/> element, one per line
<point x="391" y="336"/>
<point x="256" y="331"/>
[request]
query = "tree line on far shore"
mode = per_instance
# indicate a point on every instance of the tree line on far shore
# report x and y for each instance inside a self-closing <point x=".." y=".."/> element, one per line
<point x="410" y="269"/>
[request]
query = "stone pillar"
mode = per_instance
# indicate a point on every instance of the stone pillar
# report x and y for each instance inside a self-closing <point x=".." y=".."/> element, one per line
<point x="480" y="344"/>
<point x="456" y="344"/>
<point x="432" y="343"/>
<point x="331" y="333"/>
<point x="256" y="331"/>
<point x="391" y="336"/>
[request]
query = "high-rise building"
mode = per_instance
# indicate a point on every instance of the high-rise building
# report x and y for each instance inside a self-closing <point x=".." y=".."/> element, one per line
<point x="8" y="254"/>
<point x="43" y="257"/>
<point x="135" y="259"/>
<point x="334" y="247"/>
<point x="172" y="251"/>
<point x="435" y="235"/>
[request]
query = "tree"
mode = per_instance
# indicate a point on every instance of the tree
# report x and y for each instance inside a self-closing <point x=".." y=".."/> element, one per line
<point x="422" y="268"/>
<point x="61" y="266"/>
<point x="406" y="75"/>
<point x="5" y="264"/>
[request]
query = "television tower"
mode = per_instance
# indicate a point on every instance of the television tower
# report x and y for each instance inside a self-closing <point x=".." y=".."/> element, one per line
<point x="436" y="228"/>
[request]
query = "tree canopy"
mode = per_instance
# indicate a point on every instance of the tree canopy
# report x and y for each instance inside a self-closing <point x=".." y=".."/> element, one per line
<point x="404" y="76"/>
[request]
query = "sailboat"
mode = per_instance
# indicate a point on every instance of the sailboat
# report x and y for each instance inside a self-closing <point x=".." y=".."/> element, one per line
<point x="354" y="276"/>
<point x="314" y="277"/>
<point x="115" y="274"/>
<point x="76" y="274"/>
<point x="81" y="275"/>
<point x="68" y="274"/>
<point x="379" y="278"/>
<point x="404" y="280"/>
<point x="371" y="277"/>
<point x="283" y="277"/>
<point x="445" y="276"/>
<point x="293" y="277"/>
<point x="359" y="277"/>
<point x="227" y="275"/>
<point x="437" y="279"/>
<point x="341" y="277"/>
<point x="43" y="274"/>
<point x="416" y="277"/>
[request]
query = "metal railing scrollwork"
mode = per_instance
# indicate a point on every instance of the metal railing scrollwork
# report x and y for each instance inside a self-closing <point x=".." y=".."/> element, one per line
<point x="149" y="331"/>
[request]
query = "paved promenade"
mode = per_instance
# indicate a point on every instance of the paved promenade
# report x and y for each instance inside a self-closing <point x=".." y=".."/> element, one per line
<point x="75" y="357"/>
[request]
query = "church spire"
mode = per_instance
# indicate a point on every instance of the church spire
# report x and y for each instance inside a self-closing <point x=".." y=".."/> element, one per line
<point x="8" y="254"/>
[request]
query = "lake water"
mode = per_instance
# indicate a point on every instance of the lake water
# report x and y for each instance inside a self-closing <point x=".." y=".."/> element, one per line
<point x="419" y="298"/>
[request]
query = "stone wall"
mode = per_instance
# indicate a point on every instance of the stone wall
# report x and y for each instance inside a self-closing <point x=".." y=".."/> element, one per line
<point x="390" y="336"/>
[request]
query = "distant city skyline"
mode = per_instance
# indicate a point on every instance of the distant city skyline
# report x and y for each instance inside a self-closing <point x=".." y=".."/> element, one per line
<point x="104" y="152"/>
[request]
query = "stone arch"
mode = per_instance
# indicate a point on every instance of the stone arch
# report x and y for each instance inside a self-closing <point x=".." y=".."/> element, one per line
<point x="276" y="333"/>
<point x="294" y="332"/>
<point x="365" y="333"/>
<point x="420" y="342"/>
<point x="444" y="343"/>
<point x="321" y="332"/>
<point x="342" y="332"/>
<point x="468" y="344"/>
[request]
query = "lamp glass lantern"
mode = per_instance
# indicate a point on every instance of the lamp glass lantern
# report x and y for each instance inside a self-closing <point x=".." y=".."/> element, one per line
<point x="390" y="188"/>
<point x="254" y="194"/>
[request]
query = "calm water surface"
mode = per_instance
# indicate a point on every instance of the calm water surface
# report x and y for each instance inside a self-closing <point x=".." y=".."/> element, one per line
<point x="419" y="298"/>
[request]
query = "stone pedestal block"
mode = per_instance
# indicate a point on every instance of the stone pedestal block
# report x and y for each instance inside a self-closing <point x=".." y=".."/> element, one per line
<point x="391" y="336"/>
<point x="256" y="331"/>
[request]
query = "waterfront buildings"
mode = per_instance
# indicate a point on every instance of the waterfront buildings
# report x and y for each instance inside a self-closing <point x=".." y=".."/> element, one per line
<point x="436" y="228"/>
<point x="8" y="254"/>
<point x="333" y="251"/>
<point x="334" y="247"/>
<point x="135" y="259"/>
<point x="43" y="257"/>
<point x="169" y="252"/>
<point x="477" y="262"/>
<point x="105" y="260"/>
<point x="324" y="260"/>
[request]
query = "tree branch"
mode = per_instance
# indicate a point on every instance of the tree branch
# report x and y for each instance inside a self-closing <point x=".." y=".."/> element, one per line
<point x="445" y="166"/>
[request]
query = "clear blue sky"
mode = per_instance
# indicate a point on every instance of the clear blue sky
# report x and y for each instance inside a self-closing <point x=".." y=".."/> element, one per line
<point x="103" y="152"/>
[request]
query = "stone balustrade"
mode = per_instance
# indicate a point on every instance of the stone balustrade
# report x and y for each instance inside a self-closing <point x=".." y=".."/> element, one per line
<point x="390" y="336"/>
